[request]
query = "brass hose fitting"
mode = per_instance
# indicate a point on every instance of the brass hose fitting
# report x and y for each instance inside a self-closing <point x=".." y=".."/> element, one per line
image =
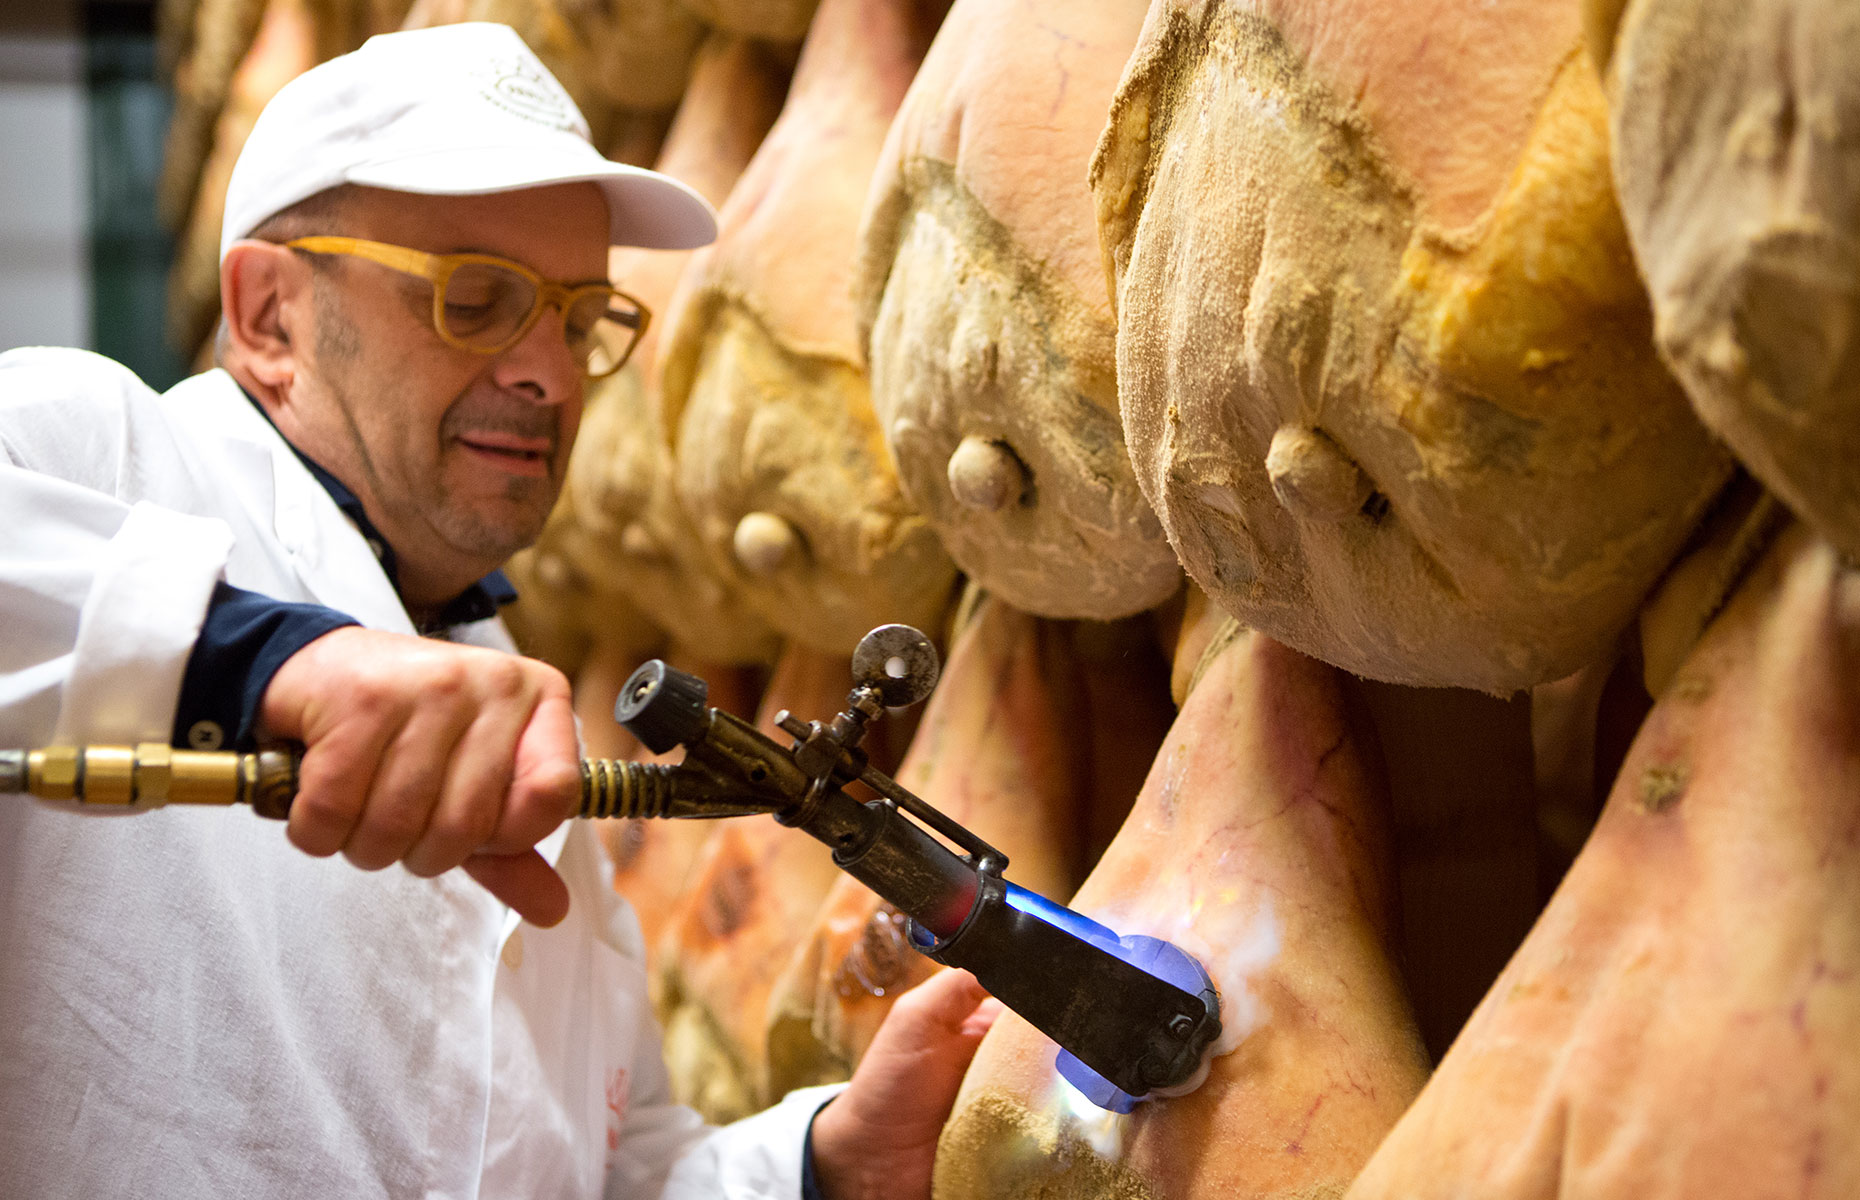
<point x="152" y="775"/>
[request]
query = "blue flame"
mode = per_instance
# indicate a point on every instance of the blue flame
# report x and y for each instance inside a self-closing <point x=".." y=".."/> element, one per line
<point x="1076" y="924"/>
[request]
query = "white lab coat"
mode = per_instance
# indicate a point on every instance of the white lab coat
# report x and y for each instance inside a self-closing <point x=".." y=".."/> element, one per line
<point x="189" y="1007"/>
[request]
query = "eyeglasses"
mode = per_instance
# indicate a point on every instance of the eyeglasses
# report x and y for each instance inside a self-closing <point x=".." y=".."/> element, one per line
<point x="486" y="304"/>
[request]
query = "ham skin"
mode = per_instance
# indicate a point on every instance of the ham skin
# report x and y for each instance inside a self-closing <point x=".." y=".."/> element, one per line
<point x="1681" y="1020"/>
<point x="1259" y="843"/>
<point x="1384" y="361"/>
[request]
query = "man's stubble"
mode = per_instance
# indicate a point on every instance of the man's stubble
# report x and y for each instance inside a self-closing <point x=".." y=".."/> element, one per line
<point x="356" y="386"/>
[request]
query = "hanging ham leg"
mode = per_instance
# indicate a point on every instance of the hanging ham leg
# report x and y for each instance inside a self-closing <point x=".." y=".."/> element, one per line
<point x="778" y="456"/>
<point x="285" y="45"/>
<point x="1384" y="363"/>
<point x="984" y="312"/>
<point x="1258" y="845"/>
<point x="1682" y="1020"/>
<point x="204" y="42"/>
<point x="772" y="20"/>
<point x="619" y="544"/>
<point x="1735" y="127"/>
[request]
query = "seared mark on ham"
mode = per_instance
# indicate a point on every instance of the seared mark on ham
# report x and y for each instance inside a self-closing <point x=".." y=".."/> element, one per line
<point x="880" y="960"/>
<point x="1661" y="786"/>
<point x="1813" y="1161"/>
<point x="1297" y="1144"/>
<point x="1679" y="959"/>
<point x="728" y="901"/>
<point x="1823" y="973"/>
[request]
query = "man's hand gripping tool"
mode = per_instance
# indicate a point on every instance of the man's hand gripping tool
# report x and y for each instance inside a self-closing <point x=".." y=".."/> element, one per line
<point x="1134" y="1016"/>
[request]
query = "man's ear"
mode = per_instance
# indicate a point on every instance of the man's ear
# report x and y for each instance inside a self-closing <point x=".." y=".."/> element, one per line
<point x="264" y="290"/>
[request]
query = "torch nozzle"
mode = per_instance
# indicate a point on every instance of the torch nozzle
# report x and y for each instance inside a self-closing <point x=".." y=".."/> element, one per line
<point x="1136" y="1016"/>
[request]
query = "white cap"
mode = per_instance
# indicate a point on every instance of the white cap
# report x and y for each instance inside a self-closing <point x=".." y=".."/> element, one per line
<point x="452" y="110"/>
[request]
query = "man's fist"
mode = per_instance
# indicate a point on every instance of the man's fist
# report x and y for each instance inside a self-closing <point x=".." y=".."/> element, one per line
<point x="430" y="754"/>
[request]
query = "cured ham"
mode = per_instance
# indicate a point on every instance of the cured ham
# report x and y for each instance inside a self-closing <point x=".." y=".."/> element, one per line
<point x="284" y="45"/>
<point x="1681" y="1020"/>
<point x="773" y="20"/>
<point x="1384" y="361"/>
<point x="985" y="318"/>
<point x="620" y="551"/>
<point x="1734" y="129"/>
<point x="202" y="44"/>
<point x="777" y="453"/>
<point x="1259" y="844"/>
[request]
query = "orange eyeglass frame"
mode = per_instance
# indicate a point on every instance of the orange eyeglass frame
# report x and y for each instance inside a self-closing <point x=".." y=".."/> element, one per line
<point x="437" y="269"/>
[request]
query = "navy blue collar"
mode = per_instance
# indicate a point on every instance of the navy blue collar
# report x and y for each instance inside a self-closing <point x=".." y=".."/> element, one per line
<point x="479" y="602"/>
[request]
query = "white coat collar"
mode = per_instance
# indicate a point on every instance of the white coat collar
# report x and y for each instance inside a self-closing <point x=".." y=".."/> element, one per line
<point x="326" y="551"/>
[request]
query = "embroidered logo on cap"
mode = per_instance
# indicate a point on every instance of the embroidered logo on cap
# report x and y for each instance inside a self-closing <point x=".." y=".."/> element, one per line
<point x="521" y="88"/>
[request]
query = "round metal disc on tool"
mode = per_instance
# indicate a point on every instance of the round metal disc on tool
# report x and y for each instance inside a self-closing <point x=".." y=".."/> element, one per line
<point x="899" y="661"/>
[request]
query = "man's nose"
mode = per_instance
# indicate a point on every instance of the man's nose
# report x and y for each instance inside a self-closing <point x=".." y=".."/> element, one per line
<point x="541" y="362"/>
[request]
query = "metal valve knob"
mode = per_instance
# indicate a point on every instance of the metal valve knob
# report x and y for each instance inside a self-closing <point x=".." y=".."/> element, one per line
<point x="663" y="707"/>
<point x="899" y="662"/>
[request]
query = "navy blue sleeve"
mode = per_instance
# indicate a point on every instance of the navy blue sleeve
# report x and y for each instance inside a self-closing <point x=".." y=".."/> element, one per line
<point x="810" y="1186"/>
<point x="244" y="640"/>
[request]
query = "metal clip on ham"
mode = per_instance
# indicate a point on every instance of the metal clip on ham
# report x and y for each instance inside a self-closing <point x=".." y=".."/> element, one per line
<point x="1135" y="1017"/>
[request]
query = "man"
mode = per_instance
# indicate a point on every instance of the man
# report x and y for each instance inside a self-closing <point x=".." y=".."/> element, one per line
<point x="413" y="280"/>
